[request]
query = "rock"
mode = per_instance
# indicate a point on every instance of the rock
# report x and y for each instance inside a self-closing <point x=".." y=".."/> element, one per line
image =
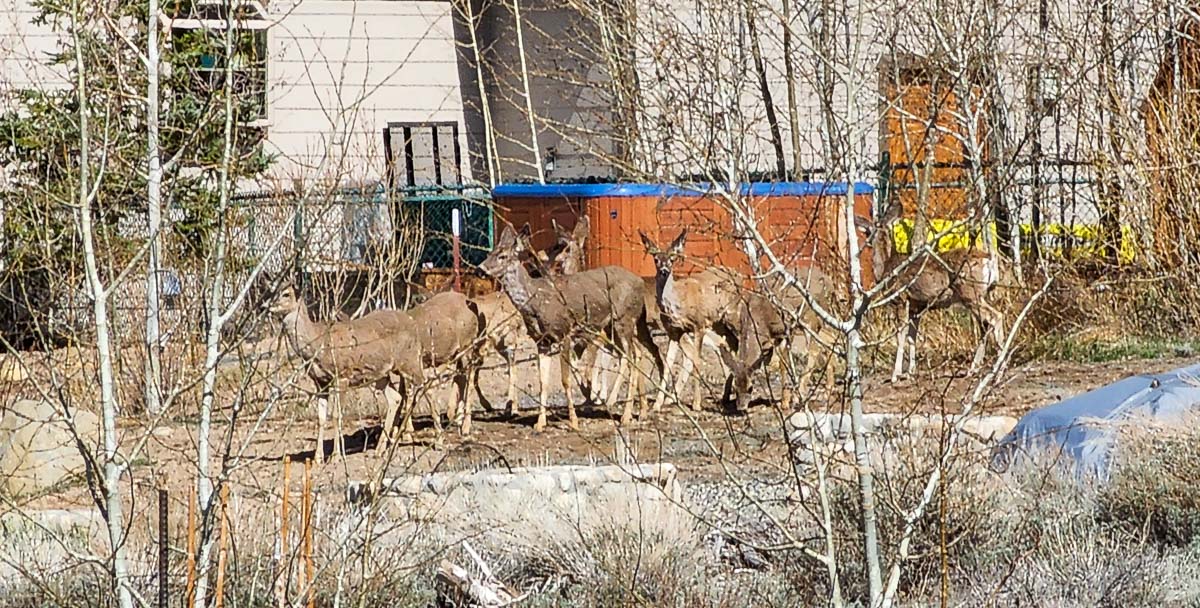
<point x="38" y="449"/>
<point x="11" y="369"/>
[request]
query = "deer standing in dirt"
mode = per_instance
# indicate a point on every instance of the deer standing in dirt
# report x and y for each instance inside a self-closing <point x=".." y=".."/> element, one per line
<point x="963" y="277"/>
<point x="782" y="325"/>
<point x="564" y="313"/>
<point x="379" y="350"/>
<point x="449" y="330"/>
<point x="689" y="307"/>
<point x="505" y="329"/>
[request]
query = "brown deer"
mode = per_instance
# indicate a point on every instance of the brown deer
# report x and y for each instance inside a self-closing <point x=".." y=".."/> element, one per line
<point x="962" y="277"/>
<point x="505" y="329"/>
<point x="784" y="326"/>
<point x="379" y="350"/>
<point x="565" y="313"/>
<point x="449" y="331"/>
<point x="689" y="307"/>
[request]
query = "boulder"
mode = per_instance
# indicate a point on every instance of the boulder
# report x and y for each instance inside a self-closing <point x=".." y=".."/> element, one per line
<point x="38" y="449"/>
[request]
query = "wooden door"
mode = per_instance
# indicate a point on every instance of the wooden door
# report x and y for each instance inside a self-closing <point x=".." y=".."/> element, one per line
<point x="923" y="116"/>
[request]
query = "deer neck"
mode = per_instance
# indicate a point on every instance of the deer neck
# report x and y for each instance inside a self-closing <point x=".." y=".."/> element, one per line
<point x="517" y="283"/>
<point x="302" y="333"/>
<point x="668" y="294"/>
<point x="885" y="256"/>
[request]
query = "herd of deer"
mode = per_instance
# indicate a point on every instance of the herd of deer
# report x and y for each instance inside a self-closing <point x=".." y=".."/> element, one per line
<point x="574" y="315"/>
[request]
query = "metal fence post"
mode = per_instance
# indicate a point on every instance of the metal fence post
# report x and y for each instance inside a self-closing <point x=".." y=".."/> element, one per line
<point x="455" y="232"/>
<point x="163" y="554"/>
<point x="298" y="243"/>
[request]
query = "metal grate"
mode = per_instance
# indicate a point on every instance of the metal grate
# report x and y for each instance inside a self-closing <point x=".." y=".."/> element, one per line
<point x="422" y="154"/>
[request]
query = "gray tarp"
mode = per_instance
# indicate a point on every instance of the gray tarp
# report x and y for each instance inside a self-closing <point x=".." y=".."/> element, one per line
<point x="1083" y="428"/>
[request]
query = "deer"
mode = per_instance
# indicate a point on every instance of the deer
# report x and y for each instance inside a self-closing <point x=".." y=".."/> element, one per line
<point x="765" y="326"/>
<point x="689" y="307"/>
<point x="930" y="281"/>
<point x="567" y="312"/>
<point x="504" y="327"/>
<point x="449" y="330"/>
<point x="379" y="350"/>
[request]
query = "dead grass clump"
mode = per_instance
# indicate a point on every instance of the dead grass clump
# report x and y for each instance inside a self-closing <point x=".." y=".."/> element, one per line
<point x="958" y="523"/>
<point x="1154" y="489"/>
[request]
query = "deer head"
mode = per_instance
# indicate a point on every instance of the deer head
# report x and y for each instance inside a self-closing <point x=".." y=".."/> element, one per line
<point x="664" y="261"/>
<point x="510" y="250"/>
<point x="286" y="301"/>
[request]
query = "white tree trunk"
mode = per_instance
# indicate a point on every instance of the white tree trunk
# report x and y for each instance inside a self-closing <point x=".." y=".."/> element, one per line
<point x="108" y="398"/>
<point x="533" y="138"/>
<point x="212" y="353"/>
<point x="153" y="218"/>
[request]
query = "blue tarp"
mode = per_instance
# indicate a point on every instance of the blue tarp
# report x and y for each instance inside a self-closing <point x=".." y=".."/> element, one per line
<point x="627" y="190"/>
<point x="1083" y="428"/>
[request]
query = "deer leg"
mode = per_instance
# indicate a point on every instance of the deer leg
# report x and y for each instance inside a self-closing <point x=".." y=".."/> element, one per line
<point x="395" y="401"/>
<point x="672" y="351"/>
<point x="339" y="438"/>
<point x="545" y="368"/>
<point x="615" y="390"/>
<point x="635" y="379"/>
<point x="564" y="368"/>
<point x="452" y="407"/>
<point x="322" y="418"/>
<point x="464" y="382"/>
<point x="901" y="344"/>
<point x="510" y="358"/>
<point x="914" y="325"/>
<point x="600" y="387"/>
<point x="698" y="381"/>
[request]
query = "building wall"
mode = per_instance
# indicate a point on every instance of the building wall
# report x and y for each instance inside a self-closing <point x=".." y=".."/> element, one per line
<point x="341" y="71"/>
<point x="338" y="72"/>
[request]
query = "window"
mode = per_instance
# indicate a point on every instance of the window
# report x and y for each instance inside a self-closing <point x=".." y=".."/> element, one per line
<point x="422" y="154"/>
<point x="199" y="64"/>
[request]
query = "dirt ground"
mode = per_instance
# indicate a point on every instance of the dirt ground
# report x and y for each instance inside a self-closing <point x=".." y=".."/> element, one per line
<point x="687" y="439"/>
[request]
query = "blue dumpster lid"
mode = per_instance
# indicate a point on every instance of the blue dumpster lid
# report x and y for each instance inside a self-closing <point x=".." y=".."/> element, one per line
<point x="656" y="190"/>
<point x="1084" y="427"/>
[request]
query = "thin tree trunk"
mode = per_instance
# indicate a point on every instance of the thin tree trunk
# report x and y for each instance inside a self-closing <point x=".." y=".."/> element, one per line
<point x="825" y="88"/>
<point x="765" y="89"/>
<point x="533" y="138"/>
<point x="490" y="151"/>
<point x="854" y="345"/>
<point x="154" y="218"/>
<point x="108" y="399"/>
<point x="205" y="488"/>
<point x="789" y="76"/>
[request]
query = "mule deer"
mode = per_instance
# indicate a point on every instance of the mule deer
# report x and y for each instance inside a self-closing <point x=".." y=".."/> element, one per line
<point x="766" y="326"/>
<point x="379" y="350"/>
<point x="562" y="313"/>
<point x="448" y="329"/>
<point x="689" y="307"/>
<point x="504" y="327"/>
<point x="931" y="281"/>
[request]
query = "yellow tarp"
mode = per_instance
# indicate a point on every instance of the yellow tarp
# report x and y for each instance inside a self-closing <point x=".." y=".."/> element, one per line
<point x="955" y="235"/>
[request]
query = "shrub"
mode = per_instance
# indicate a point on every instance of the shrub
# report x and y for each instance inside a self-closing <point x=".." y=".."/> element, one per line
<point x="1154" y="487"/>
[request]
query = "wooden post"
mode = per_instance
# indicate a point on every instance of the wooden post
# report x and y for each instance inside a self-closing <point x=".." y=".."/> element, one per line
<point x="223" y="551"/>
<point x="190" y="589"/>
<point x="281" y="585"/>
<point x="456" y="231"/>
<point x="306" y="532"/>
<point x="163" y="554"/>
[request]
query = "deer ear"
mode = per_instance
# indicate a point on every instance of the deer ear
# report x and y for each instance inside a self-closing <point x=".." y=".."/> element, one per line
<point x="583" y="227"/>
<point x="648" y="243"/>
<point x="677" y="244"/>
<point x="507" y="238"/>
<point x="558" y="229"/>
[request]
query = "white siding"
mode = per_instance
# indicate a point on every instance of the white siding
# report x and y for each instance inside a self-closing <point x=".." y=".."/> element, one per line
<point x="341" y="70"/>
